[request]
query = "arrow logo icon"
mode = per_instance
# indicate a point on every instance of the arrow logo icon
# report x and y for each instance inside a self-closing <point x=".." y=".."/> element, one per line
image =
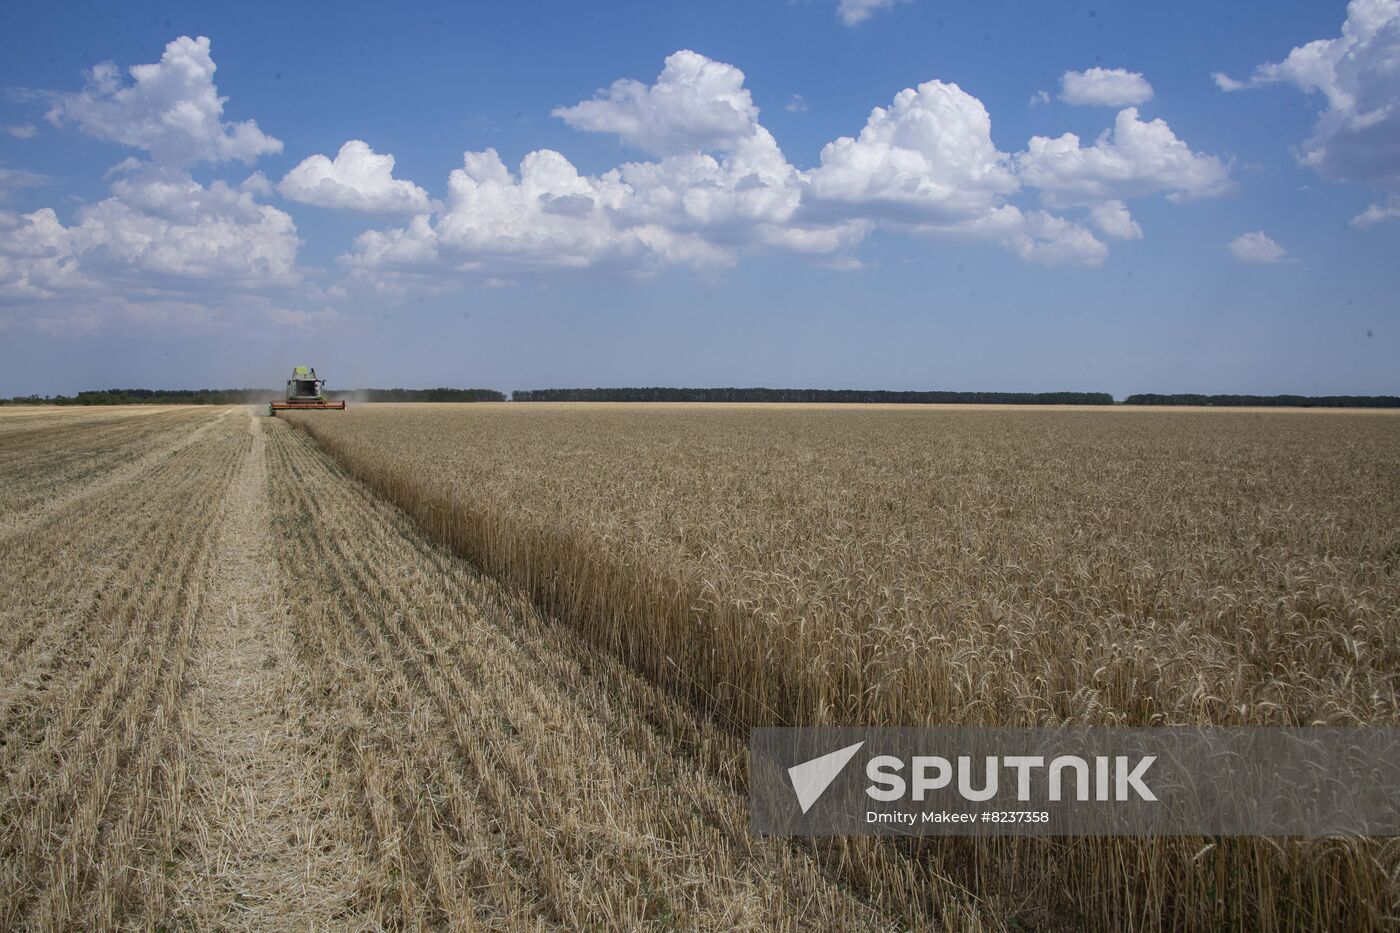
<point x="811" y="778"/>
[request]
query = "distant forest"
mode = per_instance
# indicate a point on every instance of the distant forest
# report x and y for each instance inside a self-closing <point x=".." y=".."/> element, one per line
<point x="1268" y="401"/>
<point x="249" y="396"/>
<point x="811" y="395"/>
<point x="659" y="394"/>
<point x="418" y="395"/>
<point x="150" y="397"/>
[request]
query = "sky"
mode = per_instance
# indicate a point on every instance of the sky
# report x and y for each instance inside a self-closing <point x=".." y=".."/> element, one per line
<point x="894" y="194"/>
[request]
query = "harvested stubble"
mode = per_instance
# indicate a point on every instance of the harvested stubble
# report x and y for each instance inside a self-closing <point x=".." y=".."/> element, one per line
<point x="501" y="773"/>
<point x="101" y="587"/>
<point x="809" y="565"/>
<point x="239" y="691"/>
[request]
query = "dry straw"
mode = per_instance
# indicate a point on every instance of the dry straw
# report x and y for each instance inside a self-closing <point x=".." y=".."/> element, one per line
<point x="824" y="566"/>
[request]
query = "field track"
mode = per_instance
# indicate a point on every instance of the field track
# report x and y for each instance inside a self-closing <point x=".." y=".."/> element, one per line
<point x="237" y="690"/>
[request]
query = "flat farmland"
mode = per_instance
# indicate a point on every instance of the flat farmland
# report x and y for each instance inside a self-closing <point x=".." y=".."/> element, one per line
<point x="493" y="666"/>
<point x="908" y="566"/>
<point x="240" y="691"/>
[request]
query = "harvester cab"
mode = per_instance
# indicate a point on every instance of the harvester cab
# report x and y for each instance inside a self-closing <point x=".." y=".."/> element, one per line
<point x="304" y="393"/>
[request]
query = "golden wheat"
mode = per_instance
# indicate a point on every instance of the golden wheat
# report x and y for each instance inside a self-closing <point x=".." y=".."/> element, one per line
<point x="239" y="691"/>
<point x="926" y="566"/>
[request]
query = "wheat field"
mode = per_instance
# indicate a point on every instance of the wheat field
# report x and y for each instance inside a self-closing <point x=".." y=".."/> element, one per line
<point x="240" y="691"/>
<point x="846" y="565"/>
<point x="492" y="666"/>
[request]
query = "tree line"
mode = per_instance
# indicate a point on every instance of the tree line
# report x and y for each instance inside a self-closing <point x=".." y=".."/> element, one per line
<point x="1267" y="401"/>
<point x="659" y="394"/>
<point x="148" y="397"/>
<point x="249" y="396"/>
<point x="663" y="394"/>
<point x="418" y="395"/>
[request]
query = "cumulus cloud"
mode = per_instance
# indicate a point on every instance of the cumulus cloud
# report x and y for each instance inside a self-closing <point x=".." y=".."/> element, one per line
<point x="162" y="248"/>
<point x="1037" y="236"/>
<point x="1113" y="219"/>
<point x="161" y="232"/>
<point x="855" y="12"/>
<point x="21" y="131"/>
<point x="1134" y="159"/>
<point x="1044" y="237"/>
<point x="358" y="179"/>
<point x="1227" y="83"/>
<point x="170" y="109"/>
<point x="696" y="104"/>
<point x="720" y="171"/>
<point x="709" y="184"/>
<point x="15" y="179"/>
<point x="1378" y="213"/>
<point x="717" y="184"/>
<point x="796" y="104"/>
<point x="927" y="165"/>
<point x="928" y="156"/>
<point x="258" y="184"/>
<point x="1357" y="136"/>
<point x="1104" y="87"/>
<point x="1258" y="248"/>
<point x="548" y="216"/>
<point x="35" y="261"/>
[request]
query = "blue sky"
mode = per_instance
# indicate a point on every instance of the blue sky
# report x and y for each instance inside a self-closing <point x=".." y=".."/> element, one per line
<point x="1224" y="218"/>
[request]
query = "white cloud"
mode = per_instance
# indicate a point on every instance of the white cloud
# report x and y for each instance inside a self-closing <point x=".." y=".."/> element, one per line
<point x="1256" y="247"/>
<point x="160" y="233"/>
<point x="21" y="131"/>
<point x="1113" y="219"/>
<point x="696" y="104"/>
<point x="927" y="165"/>
<point x="170" y="109"/>
<point x="35" y="260"/>
<point x="1227" y="83"/>
<point x="1039" y="99"/>
<point x="257" y="184"/>
<point x="163" y="249"/>
<point x="546" y="217"/>
<point x="359" y="179"/>
<point x="1134" y="159"/>
<point x="721" y="184"/>
<point x="14" y="179"/>
<point x="1378" y="213"/>
<point x="721" y="175"/>
<point x="1104" y="87"/>
<point x="855" y="12"/>
<point x="718" y="185"/>
<point x="928" y="156"/>
<point x="796" y="105"/>
<point x="1037" y="236"/>
<point x="750" y="197"/>
<point x="1357" y="136"/>
<point x="1043" y="237"/>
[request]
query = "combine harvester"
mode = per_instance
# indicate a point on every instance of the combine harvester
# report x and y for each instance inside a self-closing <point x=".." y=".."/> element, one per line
<point x="304" y="394"/>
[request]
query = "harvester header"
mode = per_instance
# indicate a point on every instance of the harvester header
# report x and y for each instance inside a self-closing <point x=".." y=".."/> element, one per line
<point x="304" y="393"/>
